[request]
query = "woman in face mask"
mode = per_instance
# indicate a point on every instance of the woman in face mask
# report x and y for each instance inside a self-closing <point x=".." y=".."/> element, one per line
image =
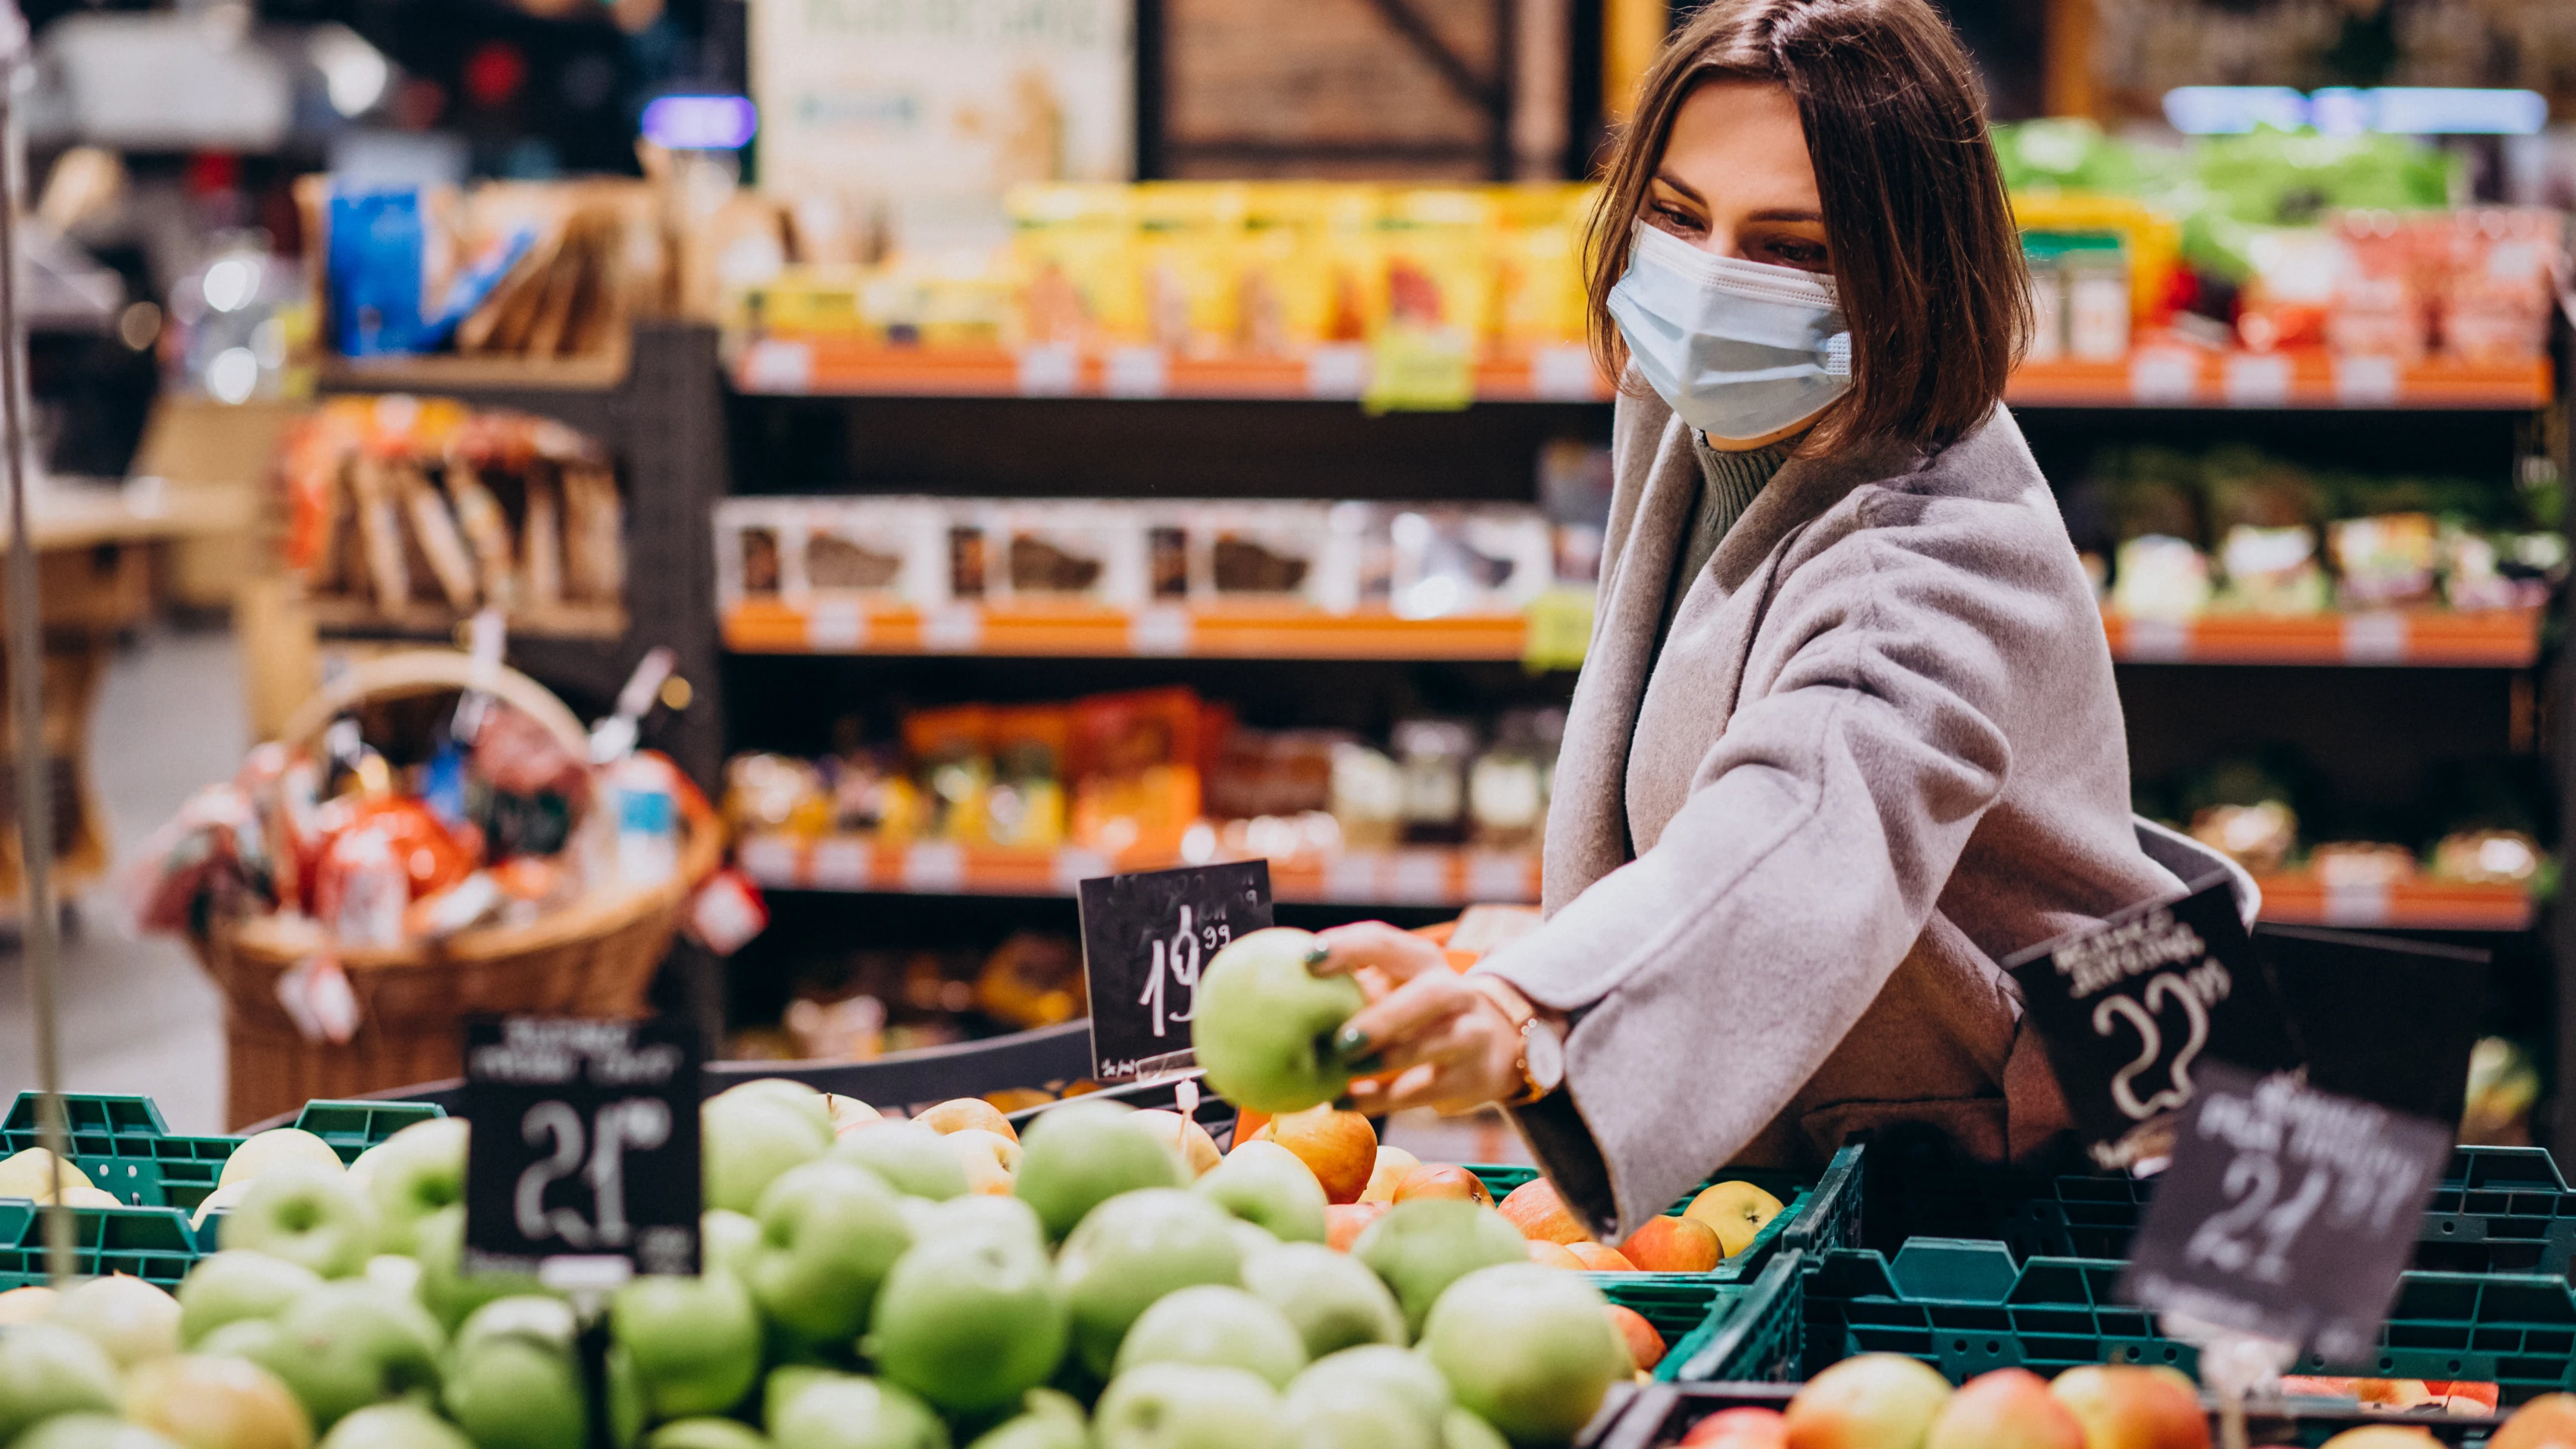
<point x="1846" y="735"/>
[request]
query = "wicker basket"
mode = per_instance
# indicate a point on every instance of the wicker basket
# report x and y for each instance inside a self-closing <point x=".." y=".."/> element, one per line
<point x="594" y="958"/>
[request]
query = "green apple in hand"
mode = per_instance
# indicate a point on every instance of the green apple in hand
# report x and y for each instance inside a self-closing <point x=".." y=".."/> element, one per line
<point x="46" y="1369"/>
<point x="692" y="1344"/>
<point x="1264" y="1022"/>
<point x="1132" y="1250"/>
<point x="1265" y="1183"/>
<point x="753" y="1133"/>
<point x="394" y="1426"/>
<point x="970" y="1323"/>
<point x="306" y="1215"/>
<point x="1075" y="1157"/>
<point x="238" y="1284"/>
<point x="1423" y="1246"/>
<point x="829" y="1230"/>
<point x="842" y="1411"/>
<point x="411" y="1175"/>
<point x="1214" y="1324"/>
<point x="1187" y="1406"/>
<point x="1047" y="1420"/>
<point x="1334" y="1301"/>
<point x="1528" y="1349"/>
<point x="344" y="1346"/>
<point x="912" y="1159"/>
<point x="511" y="1378"/>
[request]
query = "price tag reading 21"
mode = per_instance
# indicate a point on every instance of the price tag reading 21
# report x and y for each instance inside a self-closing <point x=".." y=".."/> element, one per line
<point x="585" y="1145"/>
<point x="1145" y="938"/>
<point x="2132" y="1011"/>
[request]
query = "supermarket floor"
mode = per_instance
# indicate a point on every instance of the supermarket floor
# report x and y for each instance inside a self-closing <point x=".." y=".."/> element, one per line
<point x="137" y="1015"/>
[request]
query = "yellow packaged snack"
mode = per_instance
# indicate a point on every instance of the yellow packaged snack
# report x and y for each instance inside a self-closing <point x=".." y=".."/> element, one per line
<point x="1189" y="237"/>
<point x="1437" y="266"/>
<point x="1538" y="265"/>
<point x="1074" y="249"/>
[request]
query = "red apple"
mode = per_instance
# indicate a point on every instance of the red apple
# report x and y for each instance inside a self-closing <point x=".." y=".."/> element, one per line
<point x="1442" y="1180"/>
<point x="1535" y="1209"/>
<point x="2005" y="1409"/>
<point x="1645" y="1345"/>
<point x="1869" y="1402"/>
<point x="1739" y="1429"/>
<point x="2122" y="1406"/>
<point x="2547" y="1420"/>
<point x="1340" y="1148"/>
<point x="964" y="1112"/>
<point x="2386" y="1436"/>
<point x="1554" y="1255"/>
<point x="1599" y="1259"/>
<point x="1673" y="1245"/>
<point x="1344" y="1222"/>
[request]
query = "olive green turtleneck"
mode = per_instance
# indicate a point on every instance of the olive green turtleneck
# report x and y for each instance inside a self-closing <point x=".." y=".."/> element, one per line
<point x="1729" y="484"/>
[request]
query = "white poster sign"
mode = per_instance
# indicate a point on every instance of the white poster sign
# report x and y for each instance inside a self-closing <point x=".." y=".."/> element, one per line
<point x="942" y="97"/>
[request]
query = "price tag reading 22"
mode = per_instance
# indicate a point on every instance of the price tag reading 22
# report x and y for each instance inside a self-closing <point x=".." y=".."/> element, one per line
<point x="2132" y="1010"/>
<point x="585" y="1144"/>
<point x="2288" y="1213"/>
<point x="1145" y="938"/>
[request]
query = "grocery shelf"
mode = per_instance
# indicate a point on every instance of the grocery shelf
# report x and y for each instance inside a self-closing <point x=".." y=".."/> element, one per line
<point x="2497" y="639"/>
<point x="2156" y="376"/>
<point x="1432" y="876"/>
<point x="420" y="620"/>
<point x="2417" y="905"/>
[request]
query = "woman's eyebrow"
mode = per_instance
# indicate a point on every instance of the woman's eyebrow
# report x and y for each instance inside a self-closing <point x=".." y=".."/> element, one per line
<point x="1667" y="178"/>
<point x="1787" y="214"/>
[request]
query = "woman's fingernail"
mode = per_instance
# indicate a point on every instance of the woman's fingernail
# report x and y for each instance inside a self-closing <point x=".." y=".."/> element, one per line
<point x="1350" y="1043"/>
<point x="1318" y="956"/>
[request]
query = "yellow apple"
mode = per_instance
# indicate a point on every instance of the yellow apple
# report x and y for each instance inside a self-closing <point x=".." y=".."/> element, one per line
<point x="1738" y="1210"/>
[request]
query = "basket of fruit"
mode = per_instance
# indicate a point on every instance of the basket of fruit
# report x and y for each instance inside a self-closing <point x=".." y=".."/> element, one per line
<point x="427" y="841"/>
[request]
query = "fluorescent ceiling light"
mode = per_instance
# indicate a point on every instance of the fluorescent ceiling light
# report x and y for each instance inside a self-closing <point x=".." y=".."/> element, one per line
<point x="2345" y="111"/>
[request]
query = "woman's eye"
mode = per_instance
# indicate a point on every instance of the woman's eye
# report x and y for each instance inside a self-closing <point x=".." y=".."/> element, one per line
<point x="1673" y="220"/>
<point x="1790" y="252"/>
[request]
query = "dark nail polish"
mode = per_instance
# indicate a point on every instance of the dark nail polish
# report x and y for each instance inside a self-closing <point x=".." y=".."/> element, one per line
<point x="1350" y="1043"/>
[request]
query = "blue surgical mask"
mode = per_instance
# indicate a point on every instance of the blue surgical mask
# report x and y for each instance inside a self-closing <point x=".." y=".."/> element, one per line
<point x="1741" y="350"/>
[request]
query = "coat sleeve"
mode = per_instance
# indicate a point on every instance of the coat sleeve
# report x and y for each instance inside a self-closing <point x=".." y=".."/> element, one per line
<point x="1710" y="977"/>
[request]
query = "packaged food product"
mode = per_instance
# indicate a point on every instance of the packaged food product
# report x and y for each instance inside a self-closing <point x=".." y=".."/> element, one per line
<point x="1368" y="796"/>
<point x="1075" y="248"/>
<point x="1189" y="238"/>
<point x="1252" y="553"/>
<point x="1071" y="552"/>
<point x="1433" y="756"/>
<point x="1487" y="560"/>
<point x="1539" y="298"/>
<point x="2488" y="857"/>
<point x="1438" y="262"/>
<point x="2385" y="559"/>
<point x="2358" y="864"/>
<point x="1135" y="759"/>
<point x="951" y="750"/>
<point x="2159" y="577"/>
<point x="2258" y="837"/>
<point x="2272" y="571"/>
<point x="1290" y="295"/>
<point x="1025" y="807"/>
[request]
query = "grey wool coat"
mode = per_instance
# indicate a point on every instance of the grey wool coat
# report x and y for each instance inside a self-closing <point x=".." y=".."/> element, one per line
<point x="1880" y="752"/>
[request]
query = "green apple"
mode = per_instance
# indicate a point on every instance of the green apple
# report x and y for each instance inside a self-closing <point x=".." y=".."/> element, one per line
<point x="1046" y="1420"/>
<point x="829" y="1230"/>
<point x="1335" y="1301"/>
<point x="1462" y="1430"/>
<point x="395" y="1273"/>
<point x="394" y="1426"/>
<point x="1265" y="1183"/>
<point x="46" y="1369"/>
<point x="693" y="1344"/>
<point x="981" y="1214"/>
<point x="128" y="1317"/>
<point x="1380" y="1369"/>
<point x="1187" y="1406"/>
<point x="842" y="1411"/>
<point x="344" y="1346"/>
<point x="1264" y="1022"/>
<point x="970" y="1323"/>
<point x="1354" y="1416"/>
<point x="1078" y="1156"/>
<point x="1132" y="1250"/>
<point x="449" y="1292"/>
<point x="205" y="1402"/>
<point x="787" y="1092"/>
<point x="511" y="1379"/>
<point x="265" y="1152"/>
<point x="1423" y="1246"/>
<point x="235" y="1285"/>
<point x="1527" y="1349"/>
<point x="308" y="1216"/>
<point x="1214" y="1324"/>
<point x="706" y="1433"/>
<point x="911" y="1158"/>
<point x="412" y="1174"/>
<point x="1251" y="1239"/>
<point x="727" y="1240"/>
<point x="787" y="1381"/>
<point x="755" y="1132"/>
<point x="92" y="1431"/>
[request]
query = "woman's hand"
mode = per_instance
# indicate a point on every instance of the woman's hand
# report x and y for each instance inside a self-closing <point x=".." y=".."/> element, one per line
<point x="1427" y="1038"/>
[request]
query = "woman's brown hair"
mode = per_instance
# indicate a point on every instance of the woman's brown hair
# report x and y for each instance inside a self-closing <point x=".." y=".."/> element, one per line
<point x="1926" y="258"/>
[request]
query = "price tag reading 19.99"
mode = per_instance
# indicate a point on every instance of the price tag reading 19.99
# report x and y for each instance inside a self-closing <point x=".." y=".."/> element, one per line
<point x="585" y="1145"/>
<point x="2133" y="1010"/>
<point x="2288" y="1214"/>
<point x="1145" y="938"/>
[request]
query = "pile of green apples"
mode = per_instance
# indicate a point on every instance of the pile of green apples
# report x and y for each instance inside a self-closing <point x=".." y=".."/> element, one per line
<point x="1111" y="1282"/>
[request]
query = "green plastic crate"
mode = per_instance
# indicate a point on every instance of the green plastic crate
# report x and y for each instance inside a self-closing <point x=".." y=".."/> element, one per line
<point x="353" y="1127"/>
<point x="152" y="1244"/>
<point x="121" y="1143"/>
<point x="1824" y="1213"/>
<point x="1754" y="1333"/>
<point x="1658" y="1415"/>
<point x="1965" y="1306"/>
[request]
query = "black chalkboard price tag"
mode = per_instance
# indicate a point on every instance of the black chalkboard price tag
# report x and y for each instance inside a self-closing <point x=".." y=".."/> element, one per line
<point x="585" y="1145"/>
<point x="1144" y="938"/>
<point x="2132" y="1011"/>
<point x="2287" y="1213"/>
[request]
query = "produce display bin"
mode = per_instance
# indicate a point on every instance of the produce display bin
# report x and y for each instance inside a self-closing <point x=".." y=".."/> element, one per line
<point x="2496" y="1210"/>
<point x="124" y="1147"/>
<point x="150" y="1243"/>
<point x="1753" y="1332"/>
<point x="1819" y="1214"/>
<point x="1657" y="1415"/>
<point x="1966" y="1306"/>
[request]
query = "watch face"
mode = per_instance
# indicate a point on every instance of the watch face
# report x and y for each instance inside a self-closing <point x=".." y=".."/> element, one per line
<point x="1546" y="1055"/>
